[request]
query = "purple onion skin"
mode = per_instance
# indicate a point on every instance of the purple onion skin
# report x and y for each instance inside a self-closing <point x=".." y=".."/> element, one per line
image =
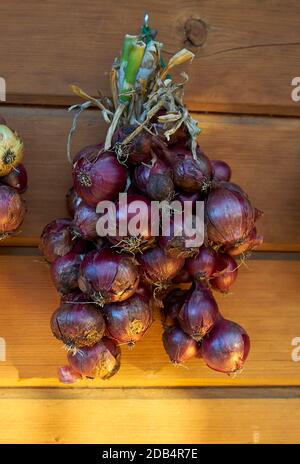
<point x="172" y="304"/>
<point x="85" y="222"/>
<point x="64" y="271"/>
<point x="108" y="277"/>
<point x="101" y="360"/>
<point x="157" y="268"/>
<point x="155" y="180"/>
<point x="90" y="152"/>
<point x="204" y="264"/>
<point x="12" y="210"/>
<point x="199" y="312"/>
<point x="189" y="174"/>
<point x="221" y="170"/>
<point x="128" y="321"/>
<point x="226" y="347"/>
<point x="179" y="346"/>
<point x="76" y="323"/>
<point x="193" y="197"/>
<point x="138" y="150"/>
<point x="73" y="201"/>
<point x="229" y="215"/>
<point x="67" y="375"/>
<point x="183" y="277"/>
<point x="56" y="239"/>
<point x="175" y="245"/>
<point x="122" y="214"/>
<point x="253" y="241"/>
<point x="100" y="179"/>
<point x="224" y="280"/>
<point x="17" y="179"/>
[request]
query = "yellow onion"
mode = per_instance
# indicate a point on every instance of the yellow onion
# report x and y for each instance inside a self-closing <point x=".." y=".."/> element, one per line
<point x="11" y="150"/>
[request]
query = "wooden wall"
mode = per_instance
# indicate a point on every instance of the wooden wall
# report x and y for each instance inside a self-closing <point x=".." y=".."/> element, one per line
<point x="247" y="54"/>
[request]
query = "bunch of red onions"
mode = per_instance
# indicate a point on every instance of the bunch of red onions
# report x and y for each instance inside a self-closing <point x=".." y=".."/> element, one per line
<point x="110" y="283"/>
<point x="13" y="181"/>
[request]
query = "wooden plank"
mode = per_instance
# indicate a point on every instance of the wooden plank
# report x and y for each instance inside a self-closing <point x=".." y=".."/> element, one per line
<point x="263" y="152"/>
<point x="265" y="300"/>
<point x="246" y="55"/>
<point x="39" y="416"/>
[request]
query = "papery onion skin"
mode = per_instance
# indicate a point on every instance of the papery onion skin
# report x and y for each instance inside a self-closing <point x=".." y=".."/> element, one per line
<point x="90" y="152"/>
<point x="108" y="276"/>
<point x="64" y="270"/>
<point x="101" y="360"/>
<point x="204" y="264"/>
<point x="199" y="312"/>
<point x="253" y="241"/>
<point x="172" y="304"/>
<point x="11" y="150"/>
<point x="67" y="375"/>
<point x="85" y="220"/>
<point x="138" y="150"/>
<point x="56" y="239"/>
<point x="179" y="346"/>
<point x="226" y="347"/>
<point x="12" y="210"/>
<point x="229" y="214"/>
<point x="183" y="277"/>
<point x="128" y="321"/>
<point x="221" y="170"/>
<point x="73" y="201"/>
<point x="17" y="179"/>
<point x="76" y="323"/>
<point x="155" y="180"/>
<point x="122" y="214"/>
<point x="157" y="268"/>
<point x="175" y="245"/>
<point x="189" y="174"/>
<point x="99" y="179"/>
<point x="227" y="276"/>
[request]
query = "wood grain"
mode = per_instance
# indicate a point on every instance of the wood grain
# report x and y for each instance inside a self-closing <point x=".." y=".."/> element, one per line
<point x="264" y="300"/>
<point x="246" y="54"/>
<point x="42" y="416"/>
<point x="263" y="152"/>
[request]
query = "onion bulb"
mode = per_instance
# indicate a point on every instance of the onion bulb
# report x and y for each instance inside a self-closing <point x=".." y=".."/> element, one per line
<point x="11" y="150"/>
<point x="179" y="346"/>
<point x="12" y="211"/>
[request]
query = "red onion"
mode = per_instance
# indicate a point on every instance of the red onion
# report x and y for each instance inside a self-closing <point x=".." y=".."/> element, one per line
<point x="90" y="152"/>
<point x="136" y="151"/>
<point x="229" y="214"/>
<point x="221" y="170"/>
<point x="157" y="268"/>
<point x="126" y="212"/>
<point x="224" y="279"/>
<point x="56" y="239"/>
<point x="190" y="174"/>
<point x="12" y="211"/>
<point x="204" y="264"/>
<point x="226" y="347"/>
<point x="85" y="222"/>
<point x="199" y="312"/>
<point x="65" y="269"/>
<point x="17" y="178"/>
<point x="76" y="323"/>
<point x="108" y="276"/>
<point x="66" y="374"/>
<point x="73" y="201"/>
<point x="172" y="304"/>
<point x="251" y="242"/>
<point x="193" y="197"/>
<point x="101" y="360"/>
<point x="128" y="321"/>
<point x="179" y="346"/>
<point x="99" y="179"/>
<point x="182" y="277"/>
<point x="175" y="245"/>
<point x="155" y="180"/>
